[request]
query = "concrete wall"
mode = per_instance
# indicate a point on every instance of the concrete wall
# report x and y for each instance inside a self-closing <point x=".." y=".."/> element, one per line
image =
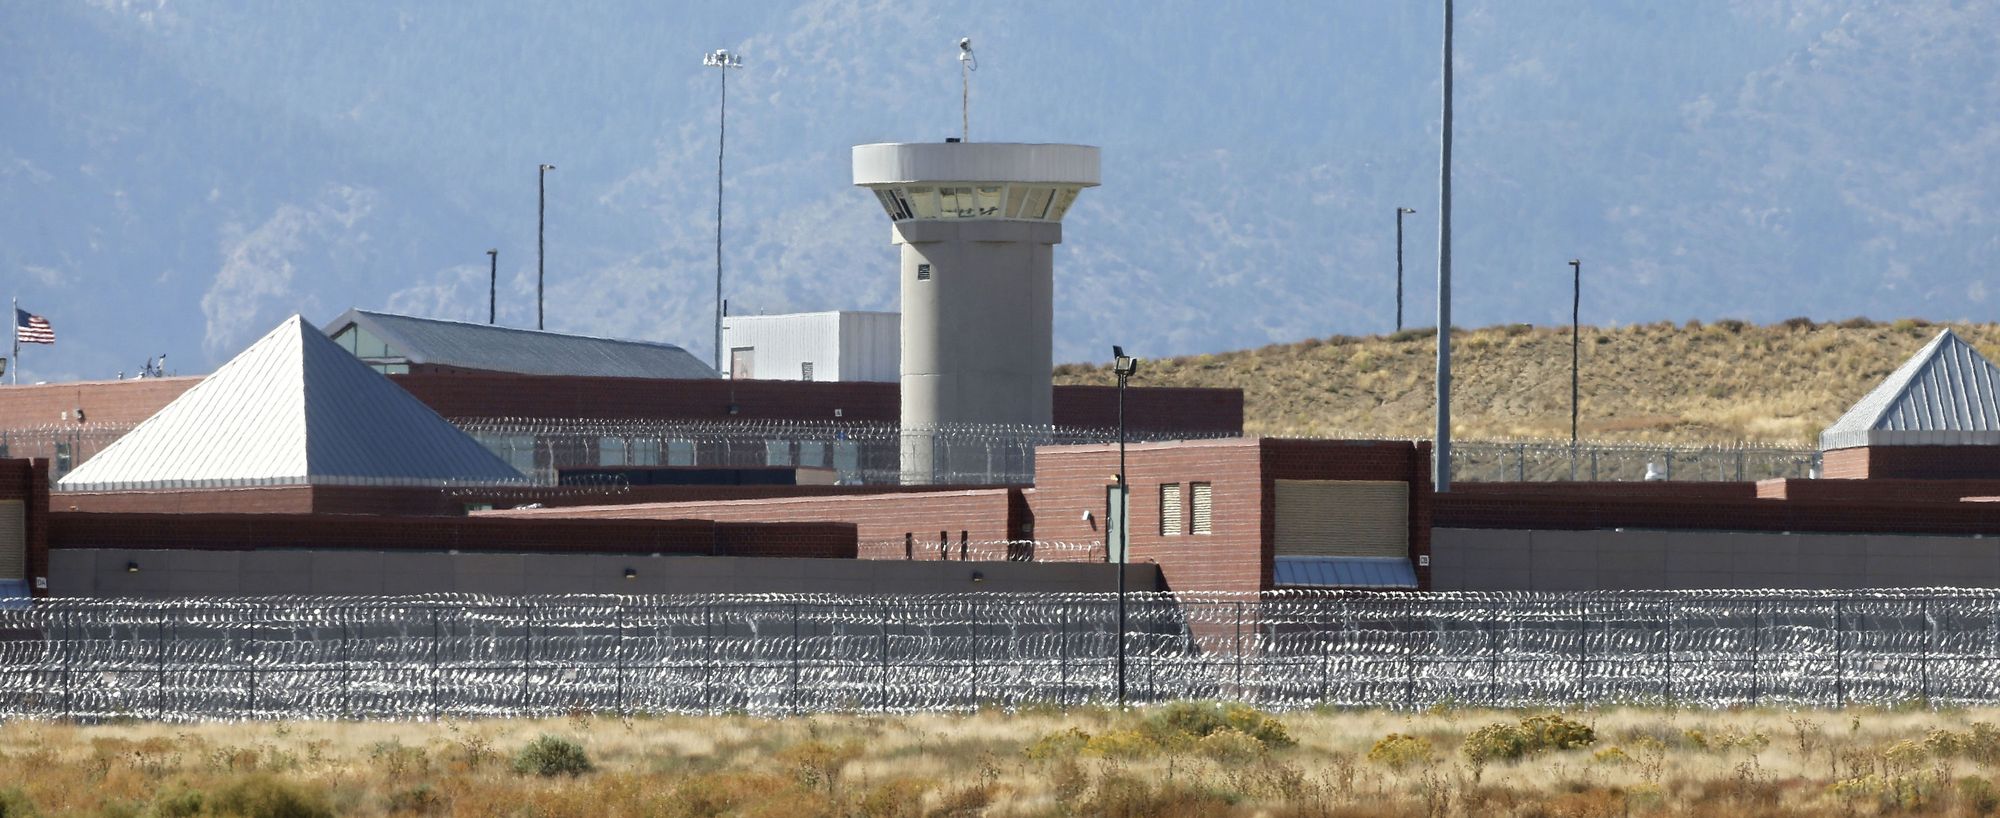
<point x="841" y="346"/>
<point x="1544" y="560"/>
<point x="171" y="573"/>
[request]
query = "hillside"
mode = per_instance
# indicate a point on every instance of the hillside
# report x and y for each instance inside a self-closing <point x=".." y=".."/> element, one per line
<point x="1693" y="383"/>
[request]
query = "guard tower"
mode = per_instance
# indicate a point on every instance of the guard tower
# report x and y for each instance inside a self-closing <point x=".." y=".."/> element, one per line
<point x="978" y="224"/>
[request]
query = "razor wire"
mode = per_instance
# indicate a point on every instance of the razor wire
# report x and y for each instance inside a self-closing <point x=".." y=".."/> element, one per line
<point x="484" y="656"/>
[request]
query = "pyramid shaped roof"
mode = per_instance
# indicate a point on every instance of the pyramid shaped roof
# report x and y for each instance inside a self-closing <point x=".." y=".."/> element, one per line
<point x="1946" y="395"/>
<point x="292" y="409"/>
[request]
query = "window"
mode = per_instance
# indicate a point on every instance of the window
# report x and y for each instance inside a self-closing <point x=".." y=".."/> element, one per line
<point x="1203" y="496"/>
<point x="1062" y="204"/>
<point x="806" y="371"/>
<point x="923" y="272"/>
<point x="1038" y="202"/>
<point x="680" y="453"/>
<point x="643" y="452"/>
<point x="989" y="201"/>
<point x="610" y="451"/>
<point x="1170" y="509"/>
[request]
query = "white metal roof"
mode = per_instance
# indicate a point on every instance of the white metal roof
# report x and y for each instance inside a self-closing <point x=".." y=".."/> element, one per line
<point x="1946" y="395"/>
<point x="292" y="409"/>
<point x="890" y="163"/>
<point x="525" y="351"/>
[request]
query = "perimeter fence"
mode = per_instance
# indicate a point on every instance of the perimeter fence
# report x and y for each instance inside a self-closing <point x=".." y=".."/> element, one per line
<point x="474" y="656"/>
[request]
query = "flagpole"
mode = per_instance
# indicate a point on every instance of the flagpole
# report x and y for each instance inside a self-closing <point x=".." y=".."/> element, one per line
<point x="14" y="364"/>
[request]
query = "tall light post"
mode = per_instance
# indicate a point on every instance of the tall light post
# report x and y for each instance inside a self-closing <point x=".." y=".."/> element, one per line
<point x="1441" y="466"/>
<point x="1124" y="366"/>
<point x="1575" y="352"/>
<point x="1400" y="213"/>
<point x="541" y="246"/>
<point x="492" y="283"/>
<point x="721" y="60"/>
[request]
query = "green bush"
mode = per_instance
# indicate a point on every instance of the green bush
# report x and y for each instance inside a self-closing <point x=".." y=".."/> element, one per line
<point x="266" y="796"/>
<point x="15" y="804"/>
<point x="420" y="799"/>
<point x="1229" y="744"/>
<point x="1182" y="724"/>
<point x="181" y="803"/>
<point x="551" y="756"/>
<point x="1063" y="743"/>
<point x="1509" y="742"/>
<point x="1397" y="751"/>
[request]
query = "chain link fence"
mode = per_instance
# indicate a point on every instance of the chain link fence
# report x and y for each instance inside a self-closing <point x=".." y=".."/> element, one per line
<point x="870" y="453"/>
<point x="466" y="656"/>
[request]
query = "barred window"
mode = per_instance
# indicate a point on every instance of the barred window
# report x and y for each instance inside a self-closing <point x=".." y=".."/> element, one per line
<point x="1170" y="509"/>
<point x="1202" y="502"/>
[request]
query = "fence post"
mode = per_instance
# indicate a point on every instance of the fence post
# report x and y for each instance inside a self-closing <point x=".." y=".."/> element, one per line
<point x="1839" y="657"/>
<point x="68" y="652"/>
<point x="1924" y="654"/>
<point x="618" y="656"/>
<point x="160" y="667"/>
<point x="1671" y="612"/>
<point x="795" y="658"/>
<point x="707" y="658"/>
<point x="1239" y="651"/>
<point x="346" y="666"/>
<point x="436" y="707"/>
<point x="527" y="655"/>
<point x="882" y="701"/>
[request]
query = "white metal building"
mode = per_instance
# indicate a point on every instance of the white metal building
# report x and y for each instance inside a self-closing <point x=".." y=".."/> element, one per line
<point x="814" y="346"/>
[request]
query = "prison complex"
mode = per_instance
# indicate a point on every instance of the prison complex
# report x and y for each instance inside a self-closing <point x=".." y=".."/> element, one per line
<point x="914" y="453"/>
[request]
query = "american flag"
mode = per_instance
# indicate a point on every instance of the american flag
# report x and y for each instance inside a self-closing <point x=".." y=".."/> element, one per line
<point x="32" y="329"/>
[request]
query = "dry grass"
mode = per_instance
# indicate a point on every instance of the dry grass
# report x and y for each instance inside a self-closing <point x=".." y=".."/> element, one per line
<point x="1042" y="763"/>
<point x="1693" y="383"/>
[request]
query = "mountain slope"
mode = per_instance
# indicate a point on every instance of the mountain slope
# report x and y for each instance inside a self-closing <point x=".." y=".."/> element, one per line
<point x="1694" y="383"/>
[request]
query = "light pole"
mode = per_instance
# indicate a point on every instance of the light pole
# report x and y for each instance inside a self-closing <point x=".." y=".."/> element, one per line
<point x="541" y="246"/>
<point x="492" y="283"/>
<point x="1125" y="367"/>
<point x="1441" y="466"/>
<point x="1400" y="213"/>
<point x="1575" y="352"/>
<point x="721" y="60"/>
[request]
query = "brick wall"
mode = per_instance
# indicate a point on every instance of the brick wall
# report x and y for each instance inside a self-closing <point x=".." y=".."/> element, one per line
<point x="28" y="481"/>
<point x="1408" y="461"/>
<point x="1876" y="490"/>
<point x="236" y="532"/>
<point x="880" y="519"/>
<point x="258" y="500"/>
<point x="1667" y="489"/>
<point x="1072" y="479"/>
<point x="468" y="394"/>
<point x="1912" y="462"/>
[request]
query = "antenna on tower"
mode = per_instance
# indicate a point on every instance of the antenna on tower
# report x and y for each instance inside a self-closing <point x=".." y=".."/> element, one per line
<point x="967" y="63"/>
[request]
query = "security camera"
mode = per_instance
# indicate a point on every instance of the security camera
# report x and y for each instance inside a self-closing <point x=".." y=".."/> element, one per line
<point x="965" y="43"/>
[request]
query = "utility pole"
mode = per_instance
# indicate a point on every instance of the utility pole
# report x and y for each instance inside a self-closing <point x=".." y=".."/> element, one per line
<point x="1124" y="366"/>
<point x="722" y="61"/>
<point x="492" y="283"/>
<point x="1441" y="467"/>
<point x="1400" y="213"/>
<point x="541" y="225"/>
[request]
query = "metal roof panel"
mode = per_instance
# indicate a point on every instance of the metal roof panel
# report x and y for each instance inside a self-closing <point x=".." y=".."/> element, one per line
<point x="524" y="351"/>
<point x="1946" y="394"/>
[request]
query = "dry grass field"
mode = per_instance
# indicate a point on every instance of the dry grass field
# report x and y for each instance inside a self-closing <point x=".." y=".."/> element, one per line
<point x="1184" y="760"/>
<point x="1722" y="382"/>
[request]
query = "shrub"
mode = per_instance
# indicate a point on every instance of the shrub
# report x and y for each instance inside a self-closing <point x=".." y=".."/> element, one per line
<point x="1798" y="323"/>
<point x="1121" y="744"/>
<point x="1494" y="742"/>
<point x="266" y="796"/>
<point x="1552" y="731"/>
<point x="1062" y="743"/>
<point x="1182" y="724"/>
<point x="1908" y="324"/>
<point x="1612" y="755"/>
<point x="1229" y="744"/>
<point x="15" y="804"/>
<point x="1508" y="742"/>
<point x="1416" y="334"/>
<point x="1732" y="325"/>
<point x="1398" y="752"/>
<point x="1857" y="322"/>
<point x="1978" y="793"/>
<point x="551" y="756"/>
<point x="420" y="799"/>
<point x="177" y="804"/>
<point x="1979" y="742"/>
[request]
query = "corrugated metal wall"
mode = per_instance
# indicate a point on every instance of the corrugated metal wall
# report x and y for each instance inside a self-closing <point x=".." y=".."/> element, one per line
<point x="841" y="346"/>
<point x="1343" y="518"/>
<point x="13" y="540"/>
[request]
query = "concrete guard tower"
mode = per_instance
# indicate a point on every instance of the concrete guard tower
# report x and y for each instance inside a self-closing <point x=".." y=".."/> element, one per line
<point x="978" y="224"/>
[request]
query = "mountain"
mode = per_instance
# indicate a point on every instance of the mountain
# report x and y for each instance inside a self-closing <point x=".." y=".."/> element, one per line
<point x="178" y="177"/>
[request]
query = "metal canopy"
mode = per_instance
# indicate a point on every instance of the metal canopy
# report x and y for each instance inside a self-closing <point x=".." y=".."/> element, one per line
<point x="525" y="351"/>
<point x="1343" y="572"/>
<point x="1945" y="395"/>
<point x="292" y="409"/>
